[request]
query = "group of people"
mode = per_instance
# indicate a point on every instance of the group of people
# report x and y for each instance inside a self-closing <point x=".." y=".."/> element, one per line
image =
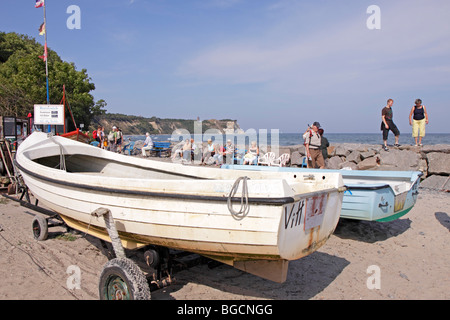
<point x="316" y="145"/>
<point x="112" y="141"/>
<point x="216" y="153"/>
<point x="418" y="119"/>
<point x="211" y="154"/>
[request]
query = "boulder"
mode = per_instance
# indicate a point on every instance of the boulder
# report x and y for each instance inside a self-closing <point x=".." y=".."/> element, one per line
<point x="354" y="156"/>
<point x="341" y="151"/>
<point x="368" y="163"/>
<point x="367" y="154"/>
<point x="399" y="159"/>
<point x="348" y="165"/>
<point x="436" y="182"/>
<point x="438" y="163"/>
<point x="296" y="158"/>
<point x="333" y="162"/>
<point x="299" y="148"/>
<point x="330" y="151"/>
<point x="283" y="150"/>
<point x="445" y="148"/>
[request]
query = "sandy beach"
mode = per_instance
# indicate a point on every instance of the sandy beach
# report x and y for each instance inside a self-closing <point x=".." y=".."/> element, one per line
<point x="409" y="257"/>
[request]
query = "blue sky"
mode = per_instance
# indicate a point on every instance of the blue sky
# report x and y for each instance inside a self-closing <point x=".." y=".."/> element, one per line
<point x="270" y="64"/>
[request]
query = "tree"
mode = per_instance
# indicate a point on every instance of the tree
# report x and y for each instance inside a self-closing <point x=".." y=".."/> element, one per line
<point x="23" y="81"/>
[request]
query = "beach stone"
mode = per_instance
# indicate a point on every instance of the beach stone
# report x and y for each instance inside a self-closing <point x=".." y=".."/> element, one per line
<point x="348" y="165"/>
<point x="436" y="182"/>
<point x="367" y="164"/>
<point x="333" y="162"/>
<point x="354" y="156"/>
<point x="285" y="150"/>
<point x="341" y="151"/>
<point x="444" y="148"/>
<point x="301" y="149"/>
<point x="331" y="151"/>
<point x="296" y="158"/>
<point x="367" y="154"/>
<point x="400" y="159"/>
<point x="438" y="163"/>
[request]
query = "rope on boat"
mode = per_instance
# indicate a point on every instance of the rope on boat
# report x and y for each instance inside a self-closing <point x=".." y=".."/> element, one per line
<point x="62" y="159"/>
<point x="244" y="209"/>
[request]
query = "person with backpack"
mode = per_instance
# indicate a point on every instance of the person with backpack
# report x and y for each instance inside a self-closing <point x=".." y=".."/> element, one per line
<point x="313" y="142"/>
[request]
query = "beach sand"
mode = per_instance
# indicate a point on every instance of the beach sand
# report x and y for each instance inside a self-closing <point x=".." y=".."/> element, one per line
<point x="412" y="255"/>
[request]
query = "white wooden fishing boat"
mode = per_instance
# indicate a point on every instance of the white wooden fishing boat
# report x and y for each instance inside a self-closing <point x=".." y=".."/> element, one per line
<point x="191" y="208"/>
<point x="371" y="195"/>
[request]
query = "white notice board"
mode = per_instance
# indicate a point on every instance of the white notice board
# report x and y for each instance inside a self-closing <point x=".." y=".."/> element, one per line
<point x="51" y="114"/>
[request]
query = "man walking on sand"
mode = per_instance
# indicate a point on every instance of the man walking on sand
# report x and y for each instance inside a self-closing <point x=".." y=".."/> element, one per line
<point x="388" y="124"/>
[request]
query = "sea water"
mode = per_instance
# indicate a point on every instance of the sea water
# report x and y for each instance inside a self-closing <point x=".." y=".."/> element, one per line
<point x="291" y="139"/>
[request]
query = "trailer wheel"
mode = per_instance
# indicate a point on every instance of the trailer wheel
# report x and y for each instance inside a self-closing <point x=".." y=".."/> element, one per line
<point x="121" y="279"/>
<point x="40" y="228"/>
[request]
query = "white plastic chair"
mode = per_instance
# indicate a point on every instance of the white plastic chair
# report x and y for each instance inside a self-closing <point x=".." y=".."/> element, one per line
<point x="281" y="161"/>
<point x="266" y="159"/>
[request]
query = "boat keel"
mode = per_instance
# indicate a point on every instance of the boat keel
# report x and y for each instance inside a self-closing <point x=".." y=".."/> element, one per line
<point x="273" y="270"/>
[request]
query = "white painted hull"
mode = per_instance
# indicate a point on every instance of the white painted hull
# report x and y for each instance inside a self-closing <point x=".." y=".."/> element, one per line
<point x="371" y="195"/>
<point x="183" y="207"/>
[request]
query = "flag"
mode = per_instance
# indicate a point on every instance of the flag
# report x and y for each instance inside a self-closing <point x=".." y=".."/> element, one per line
<point x="44" y="57"/>
<point x="42" y="29"/>
<point x="39" y="3"/>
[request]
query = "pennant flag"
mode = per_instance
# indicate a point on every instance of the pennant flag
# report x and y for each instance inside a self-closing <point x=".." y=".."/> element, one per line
<point x="44" y="57"/>
<point x="39" y="3"/>
<point x="42" y="29"/>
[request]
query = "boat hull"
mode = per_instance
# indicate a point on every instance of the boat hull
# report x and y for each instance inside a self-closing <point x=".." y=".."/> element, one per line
<point x="184" y="207"/>
<point x="77" y="135"/>
<point x="371" y="195"/>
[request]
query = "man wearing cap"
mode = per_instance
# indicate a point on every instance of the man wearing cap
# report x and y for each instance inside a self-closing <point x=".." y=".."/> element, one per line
<point x="313" y="141"/>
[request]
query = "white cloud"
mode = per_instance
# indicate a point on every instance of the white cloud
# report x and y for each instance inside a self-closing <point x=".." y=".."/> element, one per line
<point x="336" y="55"/>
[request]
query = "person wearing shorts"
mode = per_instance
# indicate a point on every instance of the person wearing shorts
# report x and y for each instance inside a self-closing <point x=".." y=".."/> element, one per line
<point x="419" y="119"/>
<point x="387" y="124"/>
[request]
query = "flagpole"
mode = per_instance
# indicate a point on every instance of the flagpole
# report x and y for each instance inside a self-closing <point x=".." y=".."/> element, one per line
<point x="49" y="129"/>
<point x="46" y="58"/>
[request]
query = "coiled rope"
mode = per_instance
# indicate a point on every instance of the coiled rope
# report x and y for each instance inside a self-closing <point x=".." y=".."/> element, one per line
<point x="244" y="209"/>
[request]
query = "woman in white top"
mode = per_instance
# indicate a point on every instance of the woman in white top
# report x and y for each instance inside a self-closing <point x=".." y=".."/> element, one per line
<point x="252" y="154"/>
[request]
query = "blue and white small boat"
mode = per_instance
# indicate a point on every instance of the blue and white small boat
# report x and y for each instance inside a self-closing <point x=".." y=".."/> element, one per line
<point x="371" y="195"/>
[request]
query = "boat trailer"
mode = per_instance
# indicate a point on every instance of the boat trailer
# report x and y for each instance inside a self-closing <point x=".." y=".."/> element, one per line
<point x="121" y="277"/>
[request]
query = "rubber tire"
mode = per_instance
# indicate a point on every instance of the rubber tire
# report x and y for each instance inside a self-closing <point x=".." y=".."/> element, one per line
<point x="129" y="275"/>
<point x="40" y="228"/>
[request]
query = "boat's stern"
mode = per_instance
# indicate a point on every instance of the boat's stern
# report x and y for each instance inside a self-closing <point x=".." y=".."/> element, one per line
<point x="308" y="223"/>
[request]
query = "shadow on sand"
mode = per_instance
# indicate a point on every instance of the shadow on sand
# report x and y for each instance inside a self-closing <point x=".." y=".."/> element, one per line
<point x="306" y="278"/>
<point x="443" y="219"/>
<point x="371" y="231"/>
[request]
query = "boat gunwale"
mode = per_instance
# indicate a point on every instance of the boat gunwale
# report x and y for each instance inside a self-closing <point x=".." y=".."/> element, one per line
<point x="368" y="187"/>
<point x="254" y="200"/>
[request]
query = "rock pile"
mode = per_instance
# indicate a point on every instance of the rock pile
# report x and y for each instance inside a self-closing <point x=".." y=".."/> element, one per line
<point x="432" y="160"/>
